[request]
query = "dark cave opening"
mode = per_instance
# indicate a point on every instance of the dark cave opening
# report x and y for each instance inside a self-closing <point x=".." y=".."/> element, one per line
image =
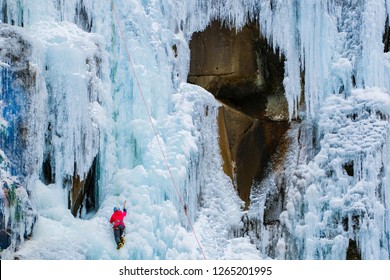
<point x="245" y="74"/>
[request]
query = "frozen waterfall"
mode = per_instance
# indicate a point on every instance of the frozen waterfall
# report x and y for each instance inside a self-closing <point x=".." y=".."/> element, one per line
<point x="96" y="109"/>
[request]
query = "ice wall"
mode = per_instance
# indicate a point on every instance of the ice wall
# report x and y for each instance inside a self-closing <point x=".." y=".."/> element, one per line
<point x="89" y="113"/>
<point x="109" y="69"/>
<point x="335" y="44"/>
<point x="77" y="96"/>
<point x="329" y="46"/>
<point x="53" y="111"/>
<point x="336" y="199"/>
<point x="332" y="48"/>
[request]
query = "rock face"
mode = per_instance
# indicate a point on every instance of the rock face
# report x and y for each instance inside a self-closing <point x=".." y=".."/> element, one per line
<point x="244" y="73"/>
<point x="18" y="93"/>
<point x="18" y="80"/>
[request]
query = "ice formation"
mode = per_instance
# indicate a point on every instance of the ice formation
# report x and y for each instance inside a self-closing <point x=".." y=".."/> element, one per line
<point x="105" y="81"/>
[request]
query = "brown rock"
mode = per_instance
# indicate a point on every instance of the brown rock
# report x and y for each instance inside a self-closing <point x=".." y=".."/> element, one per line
<point x="244" y="73"/>
<point x="83" y="191"/>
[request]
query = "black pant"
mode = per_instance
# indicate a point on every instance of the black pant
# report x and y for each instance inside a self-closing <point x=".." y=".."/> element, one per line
<point x="118" y="233"/>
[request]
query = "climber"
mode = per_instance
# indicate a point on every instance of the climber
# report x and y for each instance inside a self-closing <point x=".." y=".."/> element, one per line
<point x="118" y="225"/>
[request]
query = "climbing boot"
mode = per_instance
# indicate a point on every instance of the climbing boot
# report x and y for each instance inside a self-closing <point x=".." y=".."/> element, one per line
<point x="120" y="245"/>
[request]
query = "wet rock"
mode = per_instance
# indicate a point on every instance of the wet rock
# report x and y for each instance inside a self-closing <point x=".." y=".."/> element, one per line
<point x="83" y="191"/>
<point x="244" y="73"/>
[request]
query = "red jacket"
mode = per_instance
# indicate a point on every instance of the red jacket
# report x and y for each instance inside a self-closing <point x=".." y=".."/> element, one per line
<point x="117" y="217"/>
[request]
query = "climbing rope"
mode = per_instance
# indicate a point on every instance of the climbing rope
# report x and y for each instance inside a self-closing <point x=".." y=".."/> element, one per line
<point x="154" y="128"/>
<point x="115" y="116"/>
